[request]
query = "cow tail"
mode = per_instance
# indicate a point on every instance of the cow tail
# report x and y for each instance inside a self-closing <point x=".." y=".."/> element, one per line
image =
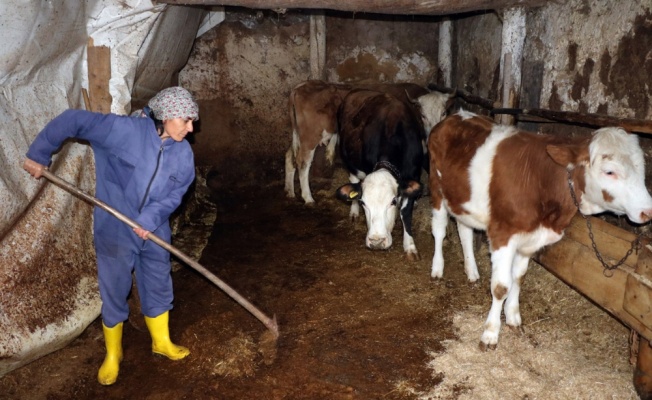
<point x="293" y="123"/>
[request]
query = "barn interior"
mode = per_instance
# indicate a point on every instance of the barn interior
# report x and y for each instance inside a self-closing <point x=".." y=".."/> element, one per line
<point x="353" y="323"/>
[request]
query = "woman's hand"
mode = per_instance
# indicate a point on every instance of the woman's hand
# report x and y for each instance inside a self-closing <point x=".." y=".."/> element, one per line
<point x="142" y="233"/>
<point x="35" y="169"/>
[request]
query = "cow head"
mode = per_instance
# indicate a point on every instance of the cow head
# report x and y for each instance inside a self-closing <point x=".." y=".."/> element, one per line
<point x="434" y="107"/>
<point x="381" y="198"/>
<point x="614" y="174"/>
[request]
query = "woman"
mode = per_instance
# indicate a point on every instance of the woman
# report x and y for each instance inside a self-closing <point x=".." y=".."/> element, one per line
<point x="143" y="168"/>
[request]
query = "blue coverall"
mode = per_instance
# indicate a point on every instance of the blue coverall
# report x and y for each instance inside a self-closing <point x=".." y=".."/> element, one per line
<point x="140" y="176"/>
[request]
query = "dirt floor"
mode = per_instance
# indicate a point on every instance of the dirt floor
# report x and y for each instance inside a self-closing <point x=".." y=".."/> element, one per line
<point x="354" y="323"/>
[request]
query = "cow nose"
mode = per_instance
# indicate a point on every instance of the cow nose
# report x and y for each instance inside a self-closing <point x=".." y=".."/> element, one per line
<point x="646" y="215"/>
<point x="378" y="243"/>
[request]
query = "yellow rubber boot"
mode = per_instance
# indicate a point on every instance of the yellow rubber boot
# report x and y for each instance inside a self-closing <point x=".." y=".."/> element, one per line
<point x="161" y="343"/>
<point x="108" y="373"/>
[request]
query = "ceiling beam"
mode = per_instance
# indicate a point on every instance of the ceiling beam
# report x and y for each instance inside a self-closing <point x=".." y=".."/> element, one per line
<point x="405" y="7"/>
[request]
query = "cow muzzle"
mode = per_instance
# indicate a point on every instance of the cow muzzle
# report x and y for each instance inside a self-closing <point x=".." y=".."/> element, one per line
<point x="645" y="216"/>
<point x="379" y="242"/>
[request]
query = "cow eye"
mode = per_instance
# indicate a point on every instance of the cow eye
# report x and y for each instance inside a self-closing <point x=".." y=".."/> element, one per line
<point x="610" y="173"/>
<point x="394" y="201"/>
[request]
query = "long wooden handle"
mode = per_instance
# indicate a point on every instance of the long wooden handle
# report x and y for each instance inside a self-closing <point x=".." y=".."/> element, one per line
<point x="270" y="323"/>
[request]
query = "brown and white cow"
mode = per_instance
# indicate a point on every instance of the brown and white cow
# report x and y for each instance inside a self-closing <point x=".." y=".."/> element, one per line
<point x="515" y="186"/>
<point x="381" y="145"/>
<point x="313" y="114"/>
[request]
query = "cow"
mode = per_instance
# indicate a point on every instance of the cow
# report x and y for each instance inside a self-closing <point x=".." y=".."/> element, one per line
<point x="520" y="188"/>
<point x="313" y="114"/>
<point x="382" y="143"/>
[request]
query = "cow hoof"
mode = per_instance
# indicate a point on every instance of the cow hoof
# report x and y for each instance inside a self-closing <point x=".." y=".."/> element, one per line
<point x="484" y="347"/>
<point x="413" y="257"/>
<point x="517" y="329"/>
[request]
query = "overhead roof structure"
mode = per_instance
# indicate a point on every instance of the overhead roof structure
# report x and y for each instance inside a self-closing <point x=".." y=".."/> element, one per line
<point x="406" y="7"/>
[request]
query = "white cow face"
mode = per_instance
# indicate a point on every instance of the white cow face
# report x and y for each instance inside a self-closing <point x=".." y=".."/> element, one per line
<point x="433" y="109"/>
<point x="380" y="203"/>
<point x="615" y="176"/>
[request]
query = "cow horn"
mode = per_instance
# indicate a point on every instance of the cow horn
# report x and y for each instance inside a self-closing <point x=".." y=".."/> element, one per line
<point x="410" y="99"/>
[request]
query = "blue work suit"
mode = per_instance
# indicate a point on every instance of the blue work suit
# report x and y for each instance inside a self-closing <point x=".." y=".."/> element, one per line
<point x="142" y="177"/>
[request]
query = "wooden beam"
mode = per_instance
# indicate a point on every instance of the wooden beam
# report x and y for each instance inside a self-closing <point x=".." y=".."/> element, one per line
<point x="318" y="45"/>
<point x="99" y="74"/>
<point x="540" y="115"/>
<point x="466" y="96"/>
<point x="626" y="293"/>
<point x="406" y="7"/>
<point x="594" y="120"/>
<point x="513" y="42"/>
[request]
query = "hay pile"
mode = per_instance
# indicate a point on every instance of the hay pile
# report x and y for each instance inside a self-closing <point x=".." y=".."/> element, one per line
<point x="571" y="349"/>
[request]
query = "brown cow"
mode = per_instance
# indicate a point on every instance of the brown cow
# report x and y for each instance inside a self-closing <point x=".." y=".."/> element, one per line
<point x="313" y="113"/>
<point x="517" y="186"/>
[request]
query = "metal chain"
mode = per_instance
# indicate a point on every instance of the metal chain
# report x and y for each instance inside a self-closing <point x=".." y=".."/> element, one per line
<point x="608" y="269"/>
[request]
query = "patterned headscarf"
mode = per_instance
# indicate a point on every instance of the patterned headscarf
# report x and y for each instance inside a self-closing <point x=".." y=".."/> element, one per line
<point x="174" y="102"/>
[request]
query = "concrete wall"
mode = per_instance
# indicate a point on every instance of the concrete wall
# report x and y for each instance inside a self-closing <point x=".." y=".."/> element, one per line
<point x="243" y="70"/>
<point x="590" y="56"/>
<point x="582" y="55"/>
<point x="585" y="55"/>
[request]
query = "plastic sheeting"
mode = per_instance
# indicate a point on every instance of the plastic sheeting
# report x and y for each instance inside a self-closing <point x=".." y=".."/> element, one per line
<point x="48" y="288"/>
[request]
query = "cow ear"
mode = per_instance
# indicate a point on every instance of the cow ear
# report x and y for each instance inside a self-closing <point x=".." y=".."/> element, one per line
<point x="560" y="154"/>
<point x="450" y="105"/>
<point x="349" y="192"/>
<point x="412" y="189"/>
<point x="568" y="156"/>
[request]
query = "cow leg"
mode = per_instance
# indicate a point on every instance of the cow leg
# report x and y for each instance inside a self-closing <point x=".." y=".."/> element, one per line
<point x="330" y="149"/>
<point x="501" y="282"/>
<point x="407" y="207"/>
<point x="466" y="238"/>
<point x="305" y="161"/>
<point x="512" y="310"/>
<point x="439" y="223"/>
<point x="289" y="172"/>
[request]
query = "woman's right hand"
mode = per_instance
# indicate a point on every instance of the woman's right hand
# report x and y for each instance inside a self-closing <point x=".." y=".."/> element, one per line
<point x="35" y="169"/>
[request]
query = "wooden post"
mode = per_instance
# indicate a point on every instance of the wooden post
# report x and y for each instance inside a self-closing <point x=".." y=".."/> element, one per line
<point x="511" y="59"/>
<point x="643" y="371"/>
<point x="445" y="56"/>
<point x="317" y="44"/>
<point x="573" y="260"/>
<point x="99" y="74"/>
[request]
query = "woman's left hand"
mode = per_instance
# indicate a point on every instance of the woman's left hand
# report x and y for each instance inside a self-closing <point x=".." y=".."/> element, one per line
<point x="142" y="233"/>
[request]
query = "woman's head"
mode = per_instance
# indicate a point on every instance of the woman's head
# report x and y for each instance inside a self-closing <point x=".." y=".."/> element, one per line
<point x="177" y="109"/>
<point x="174" y="102"/>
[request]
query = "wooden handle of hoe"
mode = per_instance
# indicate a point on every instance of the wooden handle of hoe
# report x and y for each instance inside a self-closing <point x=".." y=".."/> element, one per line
<point x="270" y="323"/>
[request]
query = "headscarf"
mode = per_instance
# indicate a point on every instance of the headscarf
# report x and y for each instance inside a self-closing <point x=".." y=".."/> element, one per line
<point x="174" y="102"/>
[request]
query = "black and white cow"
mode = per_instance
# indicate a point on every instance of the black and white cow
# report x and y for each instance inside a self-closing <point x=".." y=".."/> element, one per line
<point x="382" y="145"/>
<point x="313" y="113"/>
